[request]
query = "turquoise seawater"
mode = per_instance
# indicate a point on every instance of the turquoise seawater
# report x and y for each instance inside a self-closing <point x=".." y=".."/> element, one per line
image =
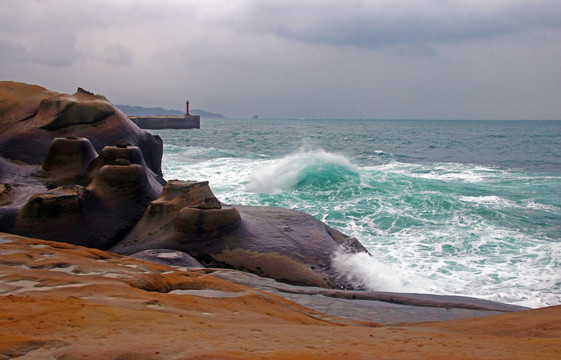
<point x="445" y="207"/>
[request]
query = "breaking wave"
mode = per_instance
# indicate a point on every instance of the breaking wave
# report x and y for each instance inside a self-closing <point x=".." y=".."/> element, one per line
<point x="317" y="169"/>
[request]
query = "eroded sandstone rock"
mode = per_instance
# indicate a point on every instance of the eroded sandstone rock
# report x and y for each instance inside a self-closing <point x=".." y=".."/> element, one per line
<point x="32" y="116"/>
<point x="67" y="160"/>
<point x="60" y="301"/>
<point x="124" y="154"/>
<point x="80" y="197"/>
<point x="55" y="186"/>
<point x="185" y="208"/>
<point x="279" y="243"/>
<point x="97" y="215"/>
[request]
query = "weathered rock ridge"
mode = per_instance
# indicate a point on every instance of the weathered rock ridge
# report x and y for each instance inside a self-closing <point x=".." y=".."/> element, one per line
<point x="75" y="169"/>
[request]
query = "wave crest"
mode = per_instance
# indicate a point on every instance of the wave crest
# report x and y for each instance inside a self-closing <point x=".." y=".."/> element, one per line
<point x="318" y="169"/>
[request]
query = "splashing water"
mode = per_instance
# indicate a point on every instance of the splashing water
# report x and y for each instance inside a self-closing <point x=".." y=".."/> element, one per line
<point x="443" y="207"/>
<point x="318" y="169"/>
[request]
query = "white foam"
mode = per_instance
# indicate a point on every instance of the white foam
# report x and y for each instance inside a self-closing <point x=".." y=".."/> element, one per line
<point x="365" y="271"/>
<point x="444" y="247"/>
<point x="538" y="206"/>
<point x="287" y="172"/>
<point x="497" y="201"/>
<point x="490" y="200"/>
<point x="448" y="172"/>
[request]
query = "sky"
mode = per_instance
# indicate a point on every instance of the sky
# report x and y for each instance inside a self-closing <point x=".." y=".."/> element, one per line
<point x="379" y="59"/>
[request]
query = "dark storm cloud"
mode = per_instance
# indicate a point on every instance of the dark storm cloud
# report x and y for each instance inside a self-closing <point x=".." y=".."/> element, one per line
<point x="378" y="24"/>
<point x="296" y="58"/>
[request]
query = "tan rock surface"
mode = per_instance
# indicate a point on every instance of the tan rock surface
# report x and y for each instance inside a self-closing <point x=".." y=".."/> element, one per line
<point x="60" y="301"/>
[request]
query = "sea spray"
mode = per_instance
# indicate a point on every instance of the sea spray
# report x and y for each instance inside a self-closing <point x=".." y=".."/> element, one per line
<point x="317" y="169"/>
<point x="441" y="202"/>
<point x="363" y="271"/>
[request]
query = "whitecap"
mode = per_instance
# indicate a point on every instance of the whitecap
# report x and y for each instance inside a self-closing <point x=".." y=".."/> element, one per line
<point x="314" y="167"/>
<point x="490" y="200"/>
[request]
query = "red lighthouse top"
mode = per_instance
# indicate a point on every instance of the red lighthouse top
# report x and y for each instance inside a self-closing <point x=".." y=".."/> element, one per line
<point x="187" y="113"/>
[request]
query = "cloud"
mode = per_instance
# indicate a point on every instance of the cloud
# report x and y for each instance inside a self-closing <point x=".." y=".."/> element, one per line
<point x="376" y="24"/>
<point x="11" y="51"/>
<point x="54" y="51"/>
<point x="117" y="55"/>
<point x="305" y="58"/>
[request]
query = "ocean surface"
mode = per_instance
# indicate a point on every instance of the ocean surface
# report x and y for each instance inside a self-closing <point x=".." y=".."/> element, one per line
<point x="445" y="207"/>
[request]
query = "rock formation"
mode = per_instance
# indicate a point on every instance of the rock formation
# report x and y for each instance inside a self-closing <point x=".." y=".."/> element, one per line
<point x="75" y="169"/>
<point x="60" y="301"/>
<point x="32" y="116"/>
<point x="278" y="243"/>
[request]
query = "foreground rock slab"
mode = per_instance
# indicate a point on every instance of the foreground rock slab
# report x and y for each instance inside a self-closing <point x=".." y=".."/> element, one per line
<point x="375" y="306"/>
<point x="61" y="301"/>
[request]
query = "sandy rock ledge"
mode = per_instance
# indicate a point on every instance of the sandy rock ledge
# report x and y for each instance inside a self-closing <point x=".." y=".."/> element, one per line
<point x="62" y="301"/>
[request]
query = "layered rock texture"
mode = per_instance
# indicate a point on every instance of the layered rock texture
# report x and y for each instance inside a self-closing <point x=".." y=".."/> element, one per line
<point x="61" y="301"/>
<point x="278" y="243"/>
<point x="32" y="116"/>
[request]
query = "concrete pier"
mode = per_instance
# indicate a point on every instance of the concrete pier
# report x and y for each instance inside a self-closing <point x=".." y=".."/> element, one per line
<point x="167" y="122"/>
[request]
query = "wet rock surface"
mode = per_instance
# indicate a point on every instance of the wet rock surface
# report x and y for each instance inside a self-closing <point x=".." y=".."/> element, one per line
<point x="168" y="257"/>
<point x="376" y="306"/>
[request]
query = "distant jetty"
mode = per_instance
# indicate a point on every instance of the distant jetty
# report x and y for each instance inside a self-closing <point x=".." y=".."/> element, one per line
<point x="187" y="121"/>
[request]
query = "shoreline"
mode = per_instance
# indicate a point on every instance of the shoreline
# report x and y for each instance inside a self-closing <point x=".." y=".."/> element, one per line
<point x="78" y="172"/>
<point x="62" y="300"/>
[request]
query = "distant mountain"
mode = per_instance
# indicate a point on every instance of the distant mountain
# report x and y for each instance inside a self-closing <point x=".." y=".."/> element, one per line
<point x="142" y="111"/>
<point x="206" y="114"/>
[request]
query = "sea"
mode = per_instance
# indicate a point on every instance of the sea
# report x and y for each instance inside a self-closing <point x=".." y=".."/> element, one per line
<point x="469" y="208"/>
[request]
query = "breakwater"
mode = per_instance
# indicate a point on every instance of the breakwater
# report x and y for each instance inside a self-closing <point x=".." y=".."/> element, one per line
<point x="167" y="122"/>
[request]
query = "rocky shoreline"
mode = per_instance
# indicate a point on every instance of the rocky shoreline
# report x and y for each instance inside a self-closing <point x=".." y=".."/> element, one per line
<point x="62" y="301"/>
<point x="78" y="174"/>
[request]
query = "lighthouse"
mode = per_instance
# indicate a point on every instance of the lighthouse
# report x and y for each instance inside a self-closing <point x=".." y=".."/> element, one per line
<point x="187" y="113"/>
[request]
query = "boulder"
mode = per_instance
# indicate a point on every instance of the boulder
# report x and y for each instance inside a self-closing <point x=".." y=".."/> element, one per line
<point x="32" y="116"/>
<point x="124" y="154"/>
<point x="54" y="184"/>
<point x="67" y="160"/>
<point x="282" y="244"/>
<point x="76" y="196"/>
<point x="97" y="215"/>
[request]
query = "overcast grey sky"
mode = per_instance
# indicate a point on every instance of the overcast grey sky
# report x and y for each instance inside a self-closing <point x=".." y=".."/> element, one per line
<point x="385" y="59"/>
